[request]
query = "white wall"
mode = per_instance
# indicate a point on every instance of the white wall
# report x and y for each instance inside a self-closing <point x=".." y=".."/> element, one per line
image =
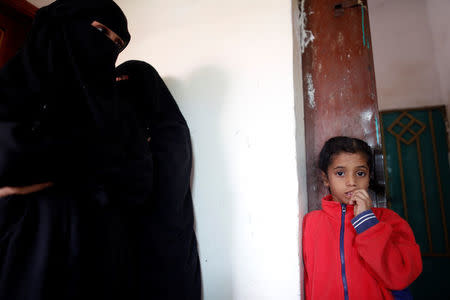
<point x="439" y="21"/>
<point x="411" y="48"/>
<point x="229" y="64"/>
<point x="300" y="123"/>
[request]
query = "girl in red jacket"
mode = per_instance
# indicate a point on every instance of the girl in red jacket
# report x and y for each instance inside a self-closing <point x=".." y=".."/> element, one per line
<point x="352" y="250"/>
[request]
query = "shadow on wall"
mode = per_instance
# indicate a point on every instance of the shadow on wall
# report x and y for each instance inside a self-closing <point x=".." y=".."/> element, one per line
<point x="201" y="97"/>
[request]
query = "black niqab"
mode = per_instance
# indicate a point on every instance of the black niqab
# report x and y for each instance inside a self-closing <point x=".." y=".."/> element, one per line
<point x="61" y="121"/>
<point x="169" y="265"/>
<point x="57" y="95"/>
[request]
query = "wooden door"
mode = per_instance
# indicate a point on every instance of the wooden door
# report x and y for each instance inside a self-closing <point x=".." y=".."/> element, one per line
<point x="16" y="17"/>
<point x="418" y="177"/>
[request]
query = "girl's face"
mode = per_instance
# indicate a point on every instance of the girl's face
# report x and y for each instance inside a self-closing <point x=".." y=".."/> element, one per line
<point x="347" y="173"/>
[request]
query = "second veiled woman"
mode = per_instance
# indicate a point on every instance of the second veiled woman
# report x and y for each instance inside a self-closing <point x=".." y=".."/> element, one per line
<point x="169" y="266"/>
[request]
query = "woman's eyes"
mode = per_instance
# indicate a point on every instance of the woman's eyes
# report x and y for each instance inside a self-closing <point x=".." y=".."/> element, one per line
<point x="119" y="43"/>
<point x="101" y="29"/>
<point x="110" y="34"/>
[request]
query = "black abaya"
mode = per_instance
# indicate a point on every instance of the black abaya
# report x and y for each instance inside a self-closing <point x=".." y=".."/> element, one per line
<point x="61" y="121"/>
<point x="169" y="265"/>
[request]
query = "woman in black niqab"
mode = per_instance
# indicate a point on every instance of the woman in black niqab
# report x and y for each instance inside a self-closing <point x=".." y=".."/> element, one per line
<point x="63" y="75"/>
<point x="61" y="121"/>
<point x="169" y="266"/>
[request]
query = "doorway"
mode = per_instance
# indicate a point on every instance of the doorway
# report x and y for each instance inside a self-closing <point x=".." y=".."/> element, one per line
<point x="416" y="149"/>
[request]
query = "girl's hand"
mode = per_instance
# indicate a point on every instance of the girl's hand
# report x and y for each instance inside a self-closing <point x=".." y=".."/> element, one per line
<point x="361" y="201"/>
<point x="23" y="190"/>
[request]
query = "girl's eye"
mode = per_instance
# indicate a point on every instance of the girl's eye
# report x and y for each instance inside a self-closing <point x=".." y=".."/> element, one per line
<point x="101" y="29"/>
<point x="361" y="173"/>
<point x="340" y="173"/>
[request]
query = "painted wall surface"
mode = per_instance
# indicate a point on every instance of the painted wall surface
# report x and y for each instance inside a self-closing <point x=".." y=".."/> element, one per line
<point x="300" y="122"/>
<point x="230" y="66"/>
<point x="411" y="49"/>
<point x="440" y="31"/>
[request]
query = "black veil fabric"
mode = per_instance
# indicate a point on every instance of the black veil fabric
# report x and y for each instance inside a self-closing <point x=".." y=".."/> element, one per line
<point x="169" y="265"/>
<point x="63" y="75"/>
<point x="61" y="121"/>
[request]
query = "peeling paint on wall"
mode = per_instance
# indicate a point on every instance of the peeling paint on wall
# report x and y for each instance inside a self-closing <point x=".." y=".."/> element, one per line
<point x="366" y="117"/>
<point x="306" y="36"/>
<point x="340" y="39"/>
<point x="311" y="91"/>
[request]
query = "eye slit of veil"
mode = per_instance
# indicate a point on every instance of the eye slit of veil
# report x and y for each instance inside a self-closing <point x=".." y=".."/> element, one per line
<point x="110" y="34"/>
<point x="122" y="77"/>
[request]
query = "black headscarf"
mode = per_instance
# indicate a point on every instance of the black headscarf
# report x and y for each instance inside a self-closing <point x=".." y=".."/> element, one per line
<point x="59" y="113"/>
<point x="169" y="266"/>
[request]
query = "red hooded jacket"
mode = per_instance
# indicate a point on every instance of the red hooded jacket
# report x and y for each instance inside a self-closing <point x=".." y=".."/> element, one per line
<point x="362" y="257"/>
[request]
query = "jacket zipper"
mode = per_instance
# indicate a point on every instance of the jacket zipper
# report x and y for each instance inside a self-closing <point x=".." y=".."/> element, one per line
<point x="341" y="250"/>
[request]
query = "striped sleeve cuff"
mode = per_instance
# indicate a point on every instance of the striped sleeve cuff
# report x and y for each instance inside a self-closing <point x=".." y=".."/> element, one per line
<point x="364" y="221"/>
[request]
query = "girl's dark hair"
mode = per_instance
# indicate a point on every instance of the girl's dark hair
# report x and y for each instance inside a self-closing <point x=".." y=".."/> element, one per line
<point x="339" y="144"/>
